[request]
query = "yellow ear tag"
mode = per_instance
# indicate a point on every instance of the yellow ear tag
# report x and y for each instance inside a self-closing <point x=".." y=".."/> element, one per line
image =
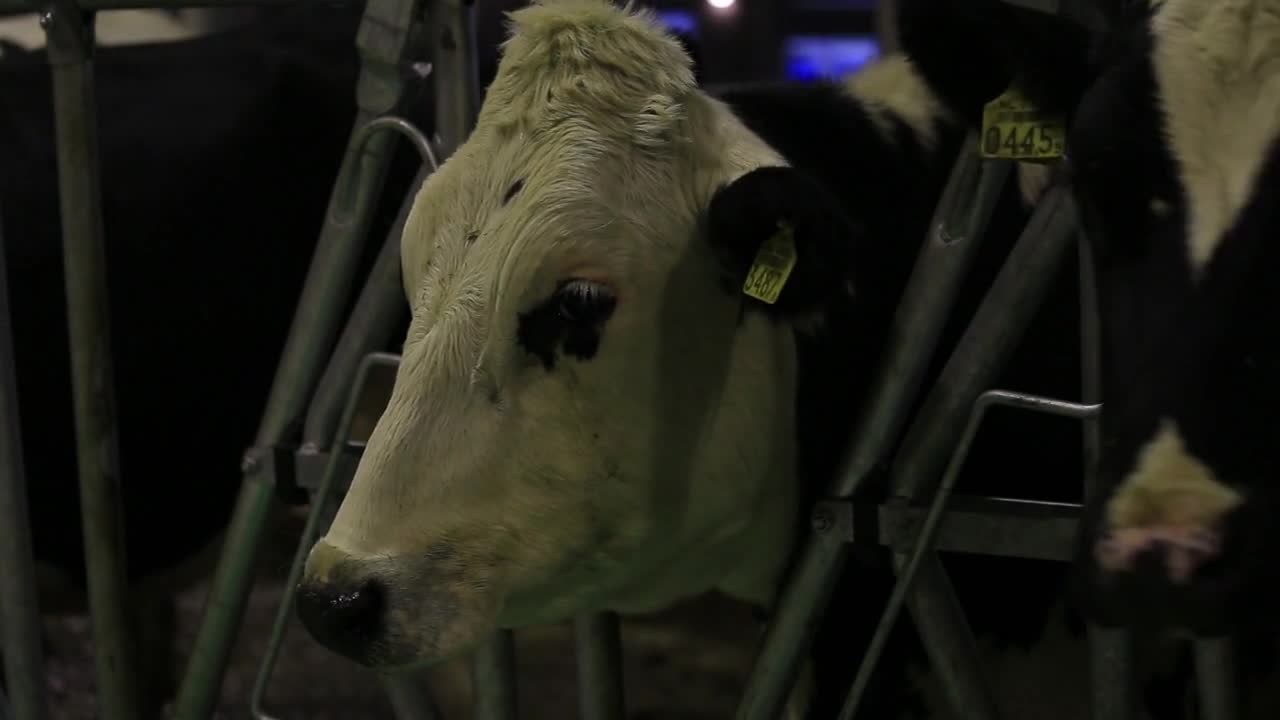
<point x="1014" y="129"/>
<point x="773" y="265"/>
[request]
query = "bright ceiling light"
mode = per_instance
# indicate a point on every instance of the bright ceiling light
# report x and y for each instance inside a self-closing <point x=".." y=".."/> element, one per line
<point x="720" y="4"/>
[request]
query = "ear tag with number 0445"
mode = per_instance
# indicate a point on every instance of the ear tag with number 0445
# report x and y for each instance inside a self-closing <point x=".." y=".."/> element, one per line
<point x="1014" y="129"/>
<point x="773" y="265"/>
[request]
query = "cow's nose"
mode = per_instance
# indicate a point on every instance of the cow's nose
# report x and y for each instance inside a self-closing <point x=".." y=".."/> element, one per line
<point x="345" y="619"/>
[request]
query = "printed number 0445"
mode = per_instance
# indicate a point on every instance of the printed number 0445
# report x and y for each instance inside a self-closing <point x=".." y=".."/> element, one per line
<point x="1018" y="140"/>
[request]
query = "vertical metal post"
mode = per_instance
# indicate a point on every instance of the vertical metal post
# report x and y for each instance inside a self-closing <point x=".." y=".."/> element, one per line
<point x="599" y="657"/>
<point x="493" y="678"/>
<point x="955" y="234"/>
<point x="1216" y="678"/>
<point x="70" y="43"/>
<point x="1111" y="675"/>
<point x="453" y="51"/>
<point x="19" y="611"/>
<point x="383" y="40"/>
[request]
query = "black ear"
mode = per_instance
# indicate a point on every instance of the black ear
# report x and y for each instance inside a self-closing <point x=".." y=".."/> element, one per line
<point x="782" y="205"/>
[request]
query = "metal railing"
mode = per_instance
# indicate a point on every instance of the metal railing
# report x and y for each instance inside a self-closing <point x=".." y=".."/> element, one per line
<point x="324" y="392"/>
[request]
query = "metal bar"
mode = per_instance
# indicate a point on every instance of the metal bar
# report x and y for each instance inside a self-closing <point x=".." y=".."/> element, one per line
<point x="955" y="233"/>
<point x="924" y="542"/>
<point x="997" y="527"/>
<point x="990" y="338"/>
<point x="599" y="658"/>
<point x="369" y="328"/>
<point x="1216" y="679"/>
<point x="373" y="318"/>
<point x="383" y="41"/>
<point x="493" y="677"/>
<point x="70" y="47"/>
<point x="410" y="697"/>
<point x="19" y="608"/>
<point x="310" y="531"/>
<point x="453" y="52"/>
<point x="1112" y="680"/>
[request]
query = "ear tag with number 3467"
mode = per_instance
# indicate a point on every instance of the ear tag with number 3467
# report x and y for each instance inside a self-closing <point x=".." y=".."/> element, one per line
<point x="774" y="262"/>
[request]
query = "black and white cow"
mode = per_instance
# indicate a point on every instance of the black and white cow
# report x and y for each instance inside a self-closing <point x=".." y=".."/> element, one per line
<point x="1174" y="157"/>
<point x="589" y="413"/>
<point x="218" y="154"/>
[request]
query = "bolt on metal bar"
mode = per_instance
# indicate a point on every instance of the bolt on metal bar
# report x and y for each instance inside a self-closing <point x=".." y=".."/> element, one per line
<point x="319" y="508"/>
<point x="19" y="608"/>
<point x="70" y="50"/>
<point x="955" y="234"/>
<point x="311" y="334"/>
<point x="924" y="540"/>
<point x="1216" y="678"/>
<point x="599" y="659"/>
<point x="493" y="678"/>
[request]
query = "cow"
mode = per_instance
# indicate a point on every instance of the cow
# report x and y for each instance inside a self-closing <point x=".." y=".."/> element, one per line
<point x="1173" y="154"/>
<point x="218" y="153"/>
<point x="1172" y="114"/>
<point x="590" y="414"/>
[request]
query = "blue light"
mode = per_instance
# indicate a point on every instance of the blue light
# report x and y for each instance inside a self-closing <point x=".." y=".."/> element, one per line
<point x="681" y="21"/>
<point x="810" y="57"/>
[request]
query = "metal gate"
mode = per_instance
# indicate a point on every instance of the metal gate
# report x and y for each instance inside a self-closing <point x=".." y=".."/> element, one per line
<point x="322" y="372"/>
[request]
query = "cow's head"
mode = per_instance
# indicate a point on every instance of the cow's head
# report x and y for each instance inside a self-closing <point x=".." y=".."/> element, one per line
<point x="1173" y="111"/>
<point x="1176" y="164"/>
<point x="584" y="417"/>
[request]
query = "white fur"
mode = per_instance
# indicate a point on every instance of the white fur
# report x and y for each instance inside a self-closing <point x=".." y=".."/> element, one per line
<point x="659" y="469"/>
<point x="891" y="87"/>
<point x="1170" y="487"/>
<point x="1217" y="63"/>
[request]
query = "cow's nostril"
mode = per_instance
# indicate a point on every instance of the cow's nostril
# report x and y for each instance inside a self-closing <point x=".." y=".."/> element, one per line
<point x="345" y="619"/>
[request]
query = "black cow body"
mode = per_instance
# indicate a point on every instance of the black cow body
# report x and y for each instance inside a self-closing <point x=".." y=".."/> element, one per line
<point x="218" y="155"/>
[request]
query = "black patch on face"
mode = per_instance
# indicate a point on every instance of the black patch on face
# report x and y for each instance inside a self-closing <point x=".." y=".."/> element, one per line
<point x="471" y="236"/>
<point x="512" y="191"/>
<point x="571" y="321"/>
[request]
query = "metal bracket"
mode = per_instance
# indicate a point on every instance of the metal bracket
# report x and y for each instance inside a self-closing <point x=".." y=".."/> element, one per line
<point x="1000" y="527"/>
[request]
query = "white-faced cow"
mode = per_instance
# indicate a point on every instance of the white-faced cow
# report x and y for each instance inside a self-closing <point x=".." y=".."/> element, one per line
<point x="218" y="153"/>
<point x="589" y="413"/>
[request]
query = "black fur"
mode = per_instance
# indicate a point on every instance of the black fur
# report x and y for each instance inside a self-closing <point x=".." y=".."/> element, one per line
<point x="571" y="321"/>
<point x="1190" y="350"/>
<point x="891" y="185"/>
<point x="218" y="156"/>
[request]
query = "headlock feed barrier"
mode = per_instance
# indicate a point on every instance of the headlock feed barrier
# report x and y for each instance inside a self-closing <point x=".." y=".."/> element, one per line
<point x="321" y="374"/>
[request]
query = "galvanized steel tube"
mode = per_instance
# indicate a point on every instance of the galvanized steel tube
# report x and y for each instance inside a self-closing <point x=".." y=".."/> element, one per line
<point x="493" y="678"/>
<point x="598" y="640"/>
<point x="80" y="197"/>
<point x="1111" y="675"/>
<point x="19" y="611"/>
<point x="955" y="233"/>
<point x="311" y="335"/>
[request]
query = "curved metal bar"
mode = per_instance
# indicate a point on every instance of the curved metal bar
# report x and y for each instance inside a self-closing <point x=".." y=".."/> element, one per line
<point x="318" y="508"/>
<point x="954" y="237"/>
<point x="345" y="209"/>
<point x="899" y="595"/>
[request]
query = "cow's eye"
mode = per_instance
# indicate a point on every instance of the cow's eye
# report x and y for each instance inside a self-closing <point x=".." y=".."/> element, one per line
<point x="584" y="302"/>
